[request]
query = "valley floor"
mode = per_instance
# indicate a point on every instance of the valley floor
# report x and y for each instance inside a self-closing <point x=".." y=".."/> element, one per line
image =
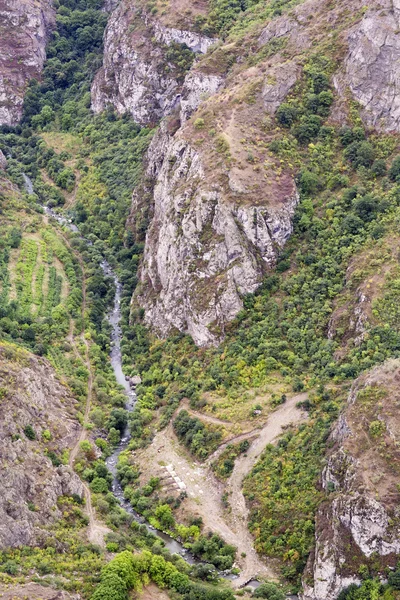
<point x="167" y="459"/>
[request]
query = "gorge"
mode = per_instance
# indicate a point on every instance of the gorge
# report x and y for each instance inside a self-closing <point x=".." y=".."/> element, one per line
<point x="202" y="199"/>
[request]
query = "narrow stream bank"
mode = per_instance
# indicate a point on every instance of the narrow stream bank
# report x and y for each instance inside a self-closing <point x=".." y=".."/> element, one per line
<point x="114" y="318"/>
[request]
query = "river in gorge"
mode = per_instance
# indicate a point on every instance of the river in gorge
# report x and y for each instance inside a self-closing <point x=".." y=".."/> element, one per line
<point x="114" y="318"/>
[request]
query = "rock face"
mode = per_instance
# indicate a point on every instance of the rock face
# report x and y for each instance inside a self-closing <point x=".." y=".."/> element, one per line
<point x="136" y="76"/>
<point x="218" y="207"/>
<point x="204" y="248"/>
<point x="32" y="396"/>
<point x="371" y="70"/>
<point x="359" y="521"/>
<point x="3" y="161"/>
<point x="24" y="30"/>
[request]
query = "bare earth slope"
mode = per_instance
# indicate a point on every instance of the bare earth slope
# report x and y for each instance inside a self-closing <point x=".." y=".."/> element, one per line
<point x="205" y="491"/>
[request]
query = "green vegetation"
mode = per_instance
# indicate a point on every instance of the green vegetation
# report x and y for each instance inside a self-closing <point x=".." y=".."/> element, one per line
<point x="223" y="467"/>
<point x="348" y="207"/>
<point x="373" y="588"/>
<point x="349" y="184"/>
<point x="158" y="511"/>
<point x="199" y="438"/>
<point x="128" y="572"/>
<point x="281" y="488"/>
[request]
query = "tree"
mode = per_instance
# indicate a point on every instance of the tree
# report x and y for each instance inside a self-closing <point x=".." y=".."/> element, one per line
<point x="269" y="591"/>
<point x="394" y="170"/>
<point x="99" y="485"/>
<point x="286" y="114"/>
<point x="111" y="587"/>
<point x="164" y="515"/>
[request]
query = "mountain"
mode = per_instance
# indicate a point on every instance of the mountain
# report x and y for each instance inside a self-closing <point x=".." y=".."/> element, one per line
<point x="235" y="166"/>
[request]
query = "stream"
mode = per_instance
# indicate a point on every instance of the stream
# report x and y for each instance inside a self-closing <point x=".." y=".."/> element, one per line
<point x="114" y="318"/>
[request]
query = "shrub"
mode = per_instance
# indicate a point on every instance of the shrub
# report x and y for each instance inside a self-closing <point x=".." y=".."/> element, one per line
<point x="348" y="136"/>
<point x="394" y="170"/>
<point x="269" y="591"/>
<point x="376" y="428"/>
<point x="307" y="129"/>
<point x="199" y="123"/>
<point x="360" y="154"/>
<point x="46" y="435"/>
<point x="394" y="579"/>
<point x="309" y="182"/>
<point x="366" y="207"/>
<point x="29" y="432"/>
<point x="379" y="167"/>
<point x="99" y="485"/>
<point x="286" y="114"/>
<point x="10" y="567"/>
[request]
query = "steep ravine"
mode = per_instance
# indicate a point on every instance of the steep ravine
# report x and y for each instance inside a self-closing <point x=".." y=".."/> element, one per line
<point x="114" y="316"/>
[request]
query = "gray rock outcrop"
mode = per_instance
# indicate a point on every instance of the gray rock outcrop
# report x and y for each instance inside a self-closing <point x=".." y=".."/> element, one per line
<point x="25" y="27"/>
<point x="136" y="77"/>
<point x="3" y="161"/>
<point x="371" y="68"/>
<point x="197" y="88"/>
<point x="30" y="483"/>
<point x="359" y="519"/>
<point x="203" y="252"/>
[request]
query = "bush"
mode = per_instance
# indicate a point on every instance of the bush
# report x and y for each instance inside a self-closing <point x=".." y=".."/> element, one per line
<point x="29" y="432"/>
<point x="286" y="114"/>
<point x="394" y="579"/>
<point x="309" y="182"/>
<point x="366" y="207"/>
<point x="348" y="136"/>
<point x="360" y="154"/>
<point x="379" y="167"/>
<point x="269" y="591"/>
<point x="99" y="485"/>
<point x="307" y="129"/>
<point x="394" y="170"/>
<point x="10" y="567"/>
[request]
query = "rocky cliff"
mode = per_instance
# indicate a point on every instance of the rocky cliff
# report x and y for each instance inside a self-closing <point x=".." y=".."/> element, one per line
<point x="357" y="528"/>
<point x="210" y="239"/>
<point x="370" y="71"/>
<point x="24" y="30"/>
<point x="218" y="206"/>
<point x="36" y="418"/>
<point x="141" y="71"/>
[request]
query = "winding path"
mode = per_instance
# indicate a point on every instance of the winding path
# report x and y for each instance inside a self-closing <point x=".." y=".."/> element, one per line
<point x="205" y="492"/>
<point x="238" y="518"/>
<point x="96" y="530"/>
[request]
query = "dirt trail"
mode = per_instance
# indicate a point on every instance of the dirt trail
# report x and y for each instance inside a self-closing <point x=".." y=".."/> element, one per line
<point x="205" y="492"/>
<point x="96" y="529"/>
<point x="184" y="405"/>
<point x="285" y="415"/>
<point x="83" y="433"/>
